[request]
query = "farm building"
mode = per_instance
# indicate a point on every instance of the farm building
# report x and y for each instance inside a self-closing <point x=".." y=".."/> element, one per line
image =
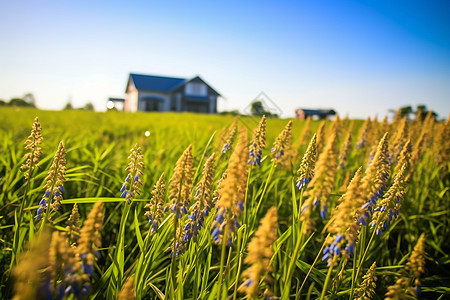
<point x="302" y="114"/>
<point x="158" y="93"/>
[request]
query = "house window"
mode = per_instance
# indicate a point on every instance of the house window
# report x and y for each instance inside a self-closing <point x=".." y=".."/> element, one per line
<point x="196" y="89"/>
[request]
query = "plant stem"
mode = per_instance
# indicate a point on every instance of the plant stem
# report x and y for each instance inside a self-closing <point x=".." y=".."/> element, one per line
<point x="222" y="261"/>
<point x="174" y="252"/>
<point x="255" y="213"/>
<point x="361" y="262"/>
<point x="312" y="266"/>
<point x="327" y="280"/>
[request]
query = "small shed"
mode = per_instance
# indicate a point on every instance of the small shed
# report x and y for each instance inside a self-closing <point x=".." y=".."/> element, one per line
<point x="321" y="114"/>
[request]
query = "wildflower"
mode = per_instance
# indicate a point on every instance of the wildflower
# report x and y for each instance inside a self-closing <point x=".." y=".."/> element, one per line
<point x="30" y="278"/>
<point x="32" y="144"/>
<point x="260" y="253"/>
<point x="306" y="170"/>
<point x="180" y="183"/>
<point x="180" y="242"/>
<point x="363" y="134"/>
<point x="232" y="193"/>
<point x="323" y="181"/>
<point x="404" y="157"/>
<point x="320" y="134"/>
<point x="74" y="224"/>
<point x="66" y="276"/>
<point x="282" y="142"/>
<point x="90" y="238"/>
<point x="202" y="202"/>
<point x="416" y="263"/>
<point x="345" y="151"/>
<point x="230" y="136"/>
<point x="410" y="277"/>
<point x="443" y="145"/>
<point x="155" y="207"/>
<point x="417" y="153"/>
<point x="397" y="117"/>
<point x="373" y="184"/>
<point x="54" y="183"/>
<point x="216" y="193"/>
<point x="258" y="143"/>
<point x="128" y="292"/>
<point x="306" y="132"/>
<point x="179" y="192"/>
<point x="341" y="226"/>
<point x="366" y="291"/>
<point x="399" y="140"/>
<point x="132" y="183"/>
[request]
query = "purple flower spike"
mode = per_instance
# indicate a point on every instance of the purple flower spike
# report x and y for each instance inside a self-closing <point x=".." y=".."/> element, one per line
<point x="323" y="212"/>
<point x="338" y="238"/>
<point x="47" y="193"/>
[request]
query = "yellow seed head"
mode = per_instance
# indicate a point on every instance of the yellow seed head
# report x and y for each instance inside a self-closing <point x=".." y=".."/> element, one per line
<point x="345" y="151"/>
<point x="306" y="132"/>
<point x="258" y="143"/>
<point x="133" y="181"/>
<point x="416" y="262"/>
<point x="320" y="137"/>
<point x="90" y="235"/>
<point x="260" y="252"/>
<point x="306" y="170"/>
<point x="366" y="291"/>
<point x="232" y="191"/>
<point x="399" y="139"/>
<point x="29" y="273"/>
<point x="282" y="143"/>
<point x="363" y="139"/>
<point x="321" y="185"/>
<point x="32" y="144"/>
<point x="373" y="183"/>
<point x="74" y="224"/>
<point x="154" y="209"/>
<point x="128" y="292"/>
<point x="404" y="158"/>
<point x="342" y="220"/>
<point x="181" y="182"/>
<point x="229" y="136"/>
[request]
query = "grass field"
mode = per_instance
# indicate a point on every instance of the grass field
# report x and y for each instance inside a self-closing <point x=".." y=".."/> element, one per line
<point x="309" y="222"/>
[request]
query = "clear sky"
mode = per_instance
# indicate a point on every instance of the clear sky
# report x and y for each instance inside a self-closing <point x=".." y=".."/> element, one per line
<point x="359" y="57"/>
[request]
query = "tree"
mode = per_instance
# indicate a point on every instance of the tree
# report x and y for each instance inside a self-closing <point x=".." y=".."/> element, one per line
<point x="89" y="106"/>
<point x="257" y="109"/>
<point x="20" y="102"/>
<point x="29" y="98"/>
<point x="68" y="106"/>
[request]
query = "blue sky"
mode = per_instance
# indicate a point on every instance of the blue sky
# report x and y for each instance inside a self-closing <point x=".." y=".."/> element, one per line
<point x="359" y="57"/>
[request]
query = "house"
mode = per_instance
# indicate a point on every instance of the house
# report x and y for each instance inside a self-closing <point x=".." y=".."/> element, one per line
<point x="159" y="93"/>
<point x="302" y="114"/>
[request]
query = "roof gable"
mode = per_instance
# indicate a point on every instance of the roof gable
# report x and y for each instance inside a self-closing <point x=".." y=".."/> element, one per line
<point x="154" y="83"/>
<point x="197" y="78"/>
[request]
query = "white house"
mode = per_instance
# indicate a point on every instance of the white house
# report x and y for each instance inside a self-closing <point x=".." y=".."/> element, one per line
<point x="158" y="93"/>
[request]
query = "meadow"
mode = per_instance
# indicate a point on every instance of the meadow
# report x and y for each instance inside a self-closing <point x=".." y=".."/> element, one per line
<point x="190" y="206"/>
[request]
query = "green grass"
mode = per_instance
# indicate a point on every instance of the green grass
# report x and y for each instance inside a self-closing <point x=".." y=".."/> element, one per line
<point x="98" y="145"/>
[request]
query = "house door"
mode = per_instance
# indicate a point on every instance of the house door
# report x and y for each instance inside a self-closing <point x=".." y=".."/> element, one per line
<point x="152" y="105"/>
